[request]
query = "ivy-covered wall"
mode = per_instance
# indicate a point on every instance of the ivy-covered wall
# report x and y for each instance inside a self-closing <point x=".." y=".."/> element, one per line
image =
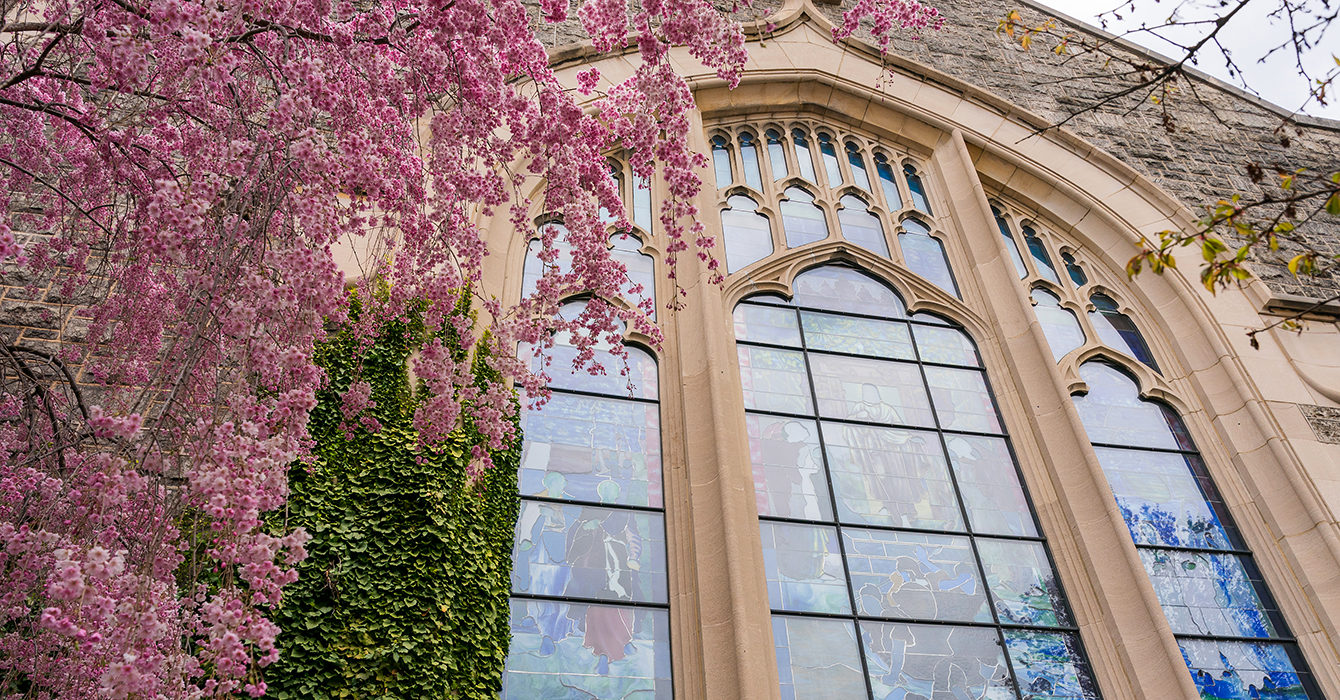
<point x="404" y="594"/>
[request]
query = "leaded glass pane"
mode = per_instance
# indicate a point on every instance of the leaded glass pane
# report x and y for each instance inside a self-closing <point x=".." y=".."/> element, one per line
<point x="1160" y="499"/>
<point x="803" y="568"/>
<point x="1076" y="272"/>
<point x="642" y="215"/>
<point x="721" y="162"/>
<point x="935" y="662"/>
<point x="857" y="163"/>
<point x="846" y="291"/>
<point x="802" y="219"/>
<point x="1117" y="331"/>
<point x="1244" y="670"/>
<point x="817" y="659"/>
<point x="1041" y="259"/>
<point x="890" y="477"/>
<point x="961" y="399"/>
<point x="746" y="233"/>
<point x="1048" y="666"/>
<point x="858" y="336"/>
<point x="609" y="378"/>
<point x="1209" y="594"/>
<point x="862" y="227"/>
<point x="1113" y="413"/>
<point x="831" y="167"/>
<point x="561" y="651"/>
<point x="1010" y="245"/>
<point x="872" y="391"/>
<point x="803" y="157"/>
<point x="787" y="463"/>
<point x="777" y="154"/>
<point x="749" y="154"/>
<point x="888" y="183"/>
<point x="917" y="189"/>
<point x="534" y="268"/>
<point x="912" y="576"/>
<point x="925" y="256"/>
<point x="1023" y="585"/>
<point x="592" y="449"/>
<point x="766" y="324"/>
<point x="990" y="486"/>
<point x="774" y="380"/>
<point x="1058" y="324"/>
<point x="589" y="552"/>
<point x="641" y="272"/>
<point x="948" y="346"/>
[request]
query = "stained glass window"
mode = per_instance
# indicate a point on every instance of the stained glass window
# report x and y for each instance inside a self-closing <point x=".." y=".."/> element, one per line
<point x="1076" y="272"/>
<point x="857" y="163"/>
<point x="1117" y="331"/>
<point x="925" y="255"/>
<point x="625" y="248"/>
<point x="642" y="212"/>
<point x="802" y="219"/>
<point x="888" y="183"/>
<point x="1041" y="259"/>
<point x="777" y="154"/>
<point x="1010" y="244"/>
<point x="749" y="154"/>
<point x="862" y="227"/>
<point x="721" y="161"/>
<point x="590" y="599"/>
<point x="901" y="556"/>
<point x="831" y="167"/>
<point x="1058" y="323"/>
<point x="1202" y="573"/>
<point x="917" y="189"/>
<point x="747" y="233"/>
<point x="803" y="157"/>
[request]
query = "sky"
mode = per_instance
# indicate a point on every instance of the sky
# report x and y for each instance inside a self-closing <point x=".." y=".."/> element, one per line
<point x="1248" y="37"/>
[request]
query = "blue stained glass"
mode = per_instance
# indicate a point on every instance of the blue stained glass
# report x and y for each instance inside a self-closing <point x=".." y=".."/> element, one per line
<point x="787" y="464"/>
<point x="862" y="227"/>
<point x="871" y="391"/>
<point x="935" y="662"/>
<point x="589" y="552"/>
<point x="1041" y="258"/>
<point x="1118" y="331"/>
<point x="860" y="336"/>
<point x="1010" y="244"/>
<point x="746" y="233"/>
<point x="961" y="400"/>
<point x="917" y="189"/>
<point x="1113" y="413"/>
<point x="802" y="220"/>
<point x="803" y="568"/>
<point x="1243" y="670"/>
<point x="777" y="154"/>
<point x="914" y="576"/>
<point x="817" y="659"/>
<point x="1048" y="666"/>
<point x="774" y="380"/>
<point x="1076" y="272"/>
<point x="803" y="157"/>
<point x="1161" y="500"/>
<point x="1208" y="594"/>
<point x="846" y="291"/>
<point x="590" y="449"/>
<point x="990" y="487"/>
<point x="766" y="324"/>
<point x="884" y="476"/>
<point x="1022" y="583"/>
<point x="949" y="346"/>
<point x="1058" y="324"/>
<point x="563" y="651"/>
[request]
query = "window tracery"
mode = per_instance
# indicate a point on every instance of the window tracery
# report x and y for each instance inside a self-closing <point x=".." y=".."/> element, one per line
<point x="901" y="555"/>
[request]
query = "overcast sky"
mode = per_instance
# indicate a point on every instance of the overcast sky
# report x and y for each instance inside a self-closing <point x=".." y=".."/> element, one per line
<point x="1248" y="36"/>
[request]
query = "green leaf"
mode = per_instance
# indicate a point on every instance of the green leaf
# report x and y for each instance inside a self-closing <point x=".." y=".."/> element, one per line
<point x="1333" y="204"/>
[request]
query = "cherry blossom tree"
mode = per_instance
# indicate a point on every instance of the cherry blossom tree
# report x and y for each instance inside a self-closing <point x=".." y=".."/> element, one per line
<point x="175" y="175"/>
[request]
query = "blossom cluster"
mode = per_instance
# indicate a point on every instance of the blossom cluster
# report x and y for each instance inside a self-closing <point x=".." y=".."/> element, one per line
<point x="184" y="171"/>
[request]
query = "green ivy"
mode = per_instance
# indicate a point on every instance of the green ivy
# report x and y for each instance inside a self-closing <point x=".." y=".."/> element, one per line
<point x="404" y="593"/>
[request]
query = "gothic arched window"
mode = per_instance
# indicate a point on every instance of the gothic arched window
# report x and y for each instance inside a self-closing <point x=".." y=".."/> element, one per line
<point x="1117" y="331"/>
<point x="777" y="154"/>
<point x="1058" y="323"/>
<point x="1010" y="244"/>
<point x="862" y="227"/>
<point x="753" y="176"/>
<point x="901" y="555"/>
<point x="721" y="161"/>
<point x="925" y="255"/>
<point x="1233" y="638"/>
<point x="747" y="233"/>
<point x="802" y="219"/>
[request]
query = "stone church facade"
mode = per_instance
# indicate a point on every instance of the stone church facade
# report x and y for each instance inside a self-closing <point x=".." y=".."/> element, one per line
<point x="928" y="440"/>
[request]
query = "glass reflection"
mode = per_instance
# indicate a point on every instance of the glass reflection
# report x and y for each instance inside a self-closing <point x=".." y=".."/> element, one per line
<point x="1058" y="324"/>
<point x="721" y="161"/>
<point x="608" y="374"/>
<point x="948" y="346"/>
<point x="914" y="576"/>
<point x="888" y="183"/>
<point x="1208" y="594"/>
<point x="846" y="291"/>
<point x="803" y="568"/>
<point x="1049" y="665"/>
<point x="803" y="157"/>
<point x="766" y="324"/>
<point x="990" y="486"/>
<point x="1161" y="501"/>
<point x="858" y="336"/>
<point x="857" y="163"/>
<point x="817" y="658"/>
<point x="589" y="552"/>
<point x="640" y="289"/>
<point x="862" y="227"/>
<point x="871" y="391"/>
<point x="777" y="154"/>
<point x="831" y="167"/>
<point x="1076" y="272"/>
<point x="595" y="652"/>
<point x="1023" y="586"/>
<point x="590" y="449"/>
<point x="925" y="255"/>
<point x="747" y="234"/>
<point x="787" y="464"/>
<point x="1118" y="331"/>
<point x="802" y="219"/>
<point x="889" y="477"/>
<point x="1114" y="414"/>
<point x="1041" y="259"/>
<point x="1010" y="245"/>
<point x="749" y="154"/>
<point x="642" y="215"/>
<point x="774" y="380"/>
<point x="961" y="400"/>
<point x="917" y="189"/>
<point x="1243" y="670"/>
<point x="937" y="662"/>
